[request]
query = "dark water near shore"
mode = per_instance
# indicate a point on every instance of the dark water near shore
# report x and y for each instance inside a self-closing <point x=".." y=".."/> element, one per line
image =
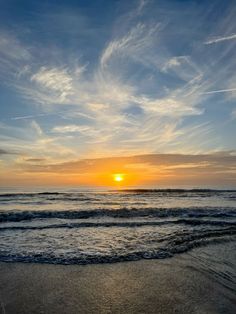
<point x="82" y="227"/>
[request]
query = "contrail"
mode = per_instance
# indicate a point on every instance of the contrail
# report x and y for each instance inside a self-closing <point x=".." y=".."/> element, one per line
<point x="220" y="91"/>
<point x="219" y="39"/>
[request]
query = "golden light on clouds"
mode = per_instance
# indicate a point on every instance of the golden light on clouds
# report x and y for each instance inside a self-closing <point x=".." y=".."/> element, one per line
<point x="139" y="170"/>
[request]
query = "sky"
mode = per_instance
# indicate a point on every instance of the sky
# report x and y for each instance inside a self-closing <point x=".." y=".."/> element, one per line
<point x="143" y="88"/>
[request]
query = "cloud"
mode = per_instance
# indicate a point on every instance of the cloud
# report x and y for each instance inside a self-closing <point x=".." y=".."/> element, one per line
<point x="142" y="4"/>
<point x="14" y="58"/>
<point x="5" y="152"/>
<point x="55" y="80"/>
<point x="153" y="170"/>
<point x="167" y="169"/>
<point x="168" y="107"/>
<point x="174" y="62"/>
<point x="108" y="97"/>
<point x="34" y="160"/>
<point x="12" y="49"/>
<point x="215" y="40"/>
<point x="30" y="140"/>
<point x="184" y="68"/>
<point x="131" y="45"/>
<point x="104" y="100"/>
<point x="36" y="127"/>
<point x="130" y="94"/>
<point x="233" y="114"/>
<point x="70" y="129"/>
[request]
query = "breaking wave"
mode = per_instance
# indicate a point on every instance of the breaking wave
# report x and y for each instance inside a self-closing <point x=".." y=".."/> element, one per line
<point x="103" y="227"/>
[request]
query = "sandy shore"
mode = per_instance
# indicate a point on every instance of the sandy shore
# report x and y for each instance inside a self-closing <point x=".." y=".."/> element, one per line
<point x="195" y="282"/>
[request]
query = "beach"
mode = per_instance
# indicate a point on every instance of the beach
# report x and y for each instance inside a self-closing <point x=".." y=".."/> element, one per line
<point x="199" y="281"/>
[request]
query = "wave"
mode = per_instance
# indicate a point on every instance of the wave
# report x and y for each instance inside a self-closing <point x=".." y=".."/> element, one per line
<point x="174" y="244"/>
<point x="173" y="191"/>
<point x="16" y="216"/>
<point x="132" y="191"/>
<point x="52" y="196"/>
<point x="29" y="194"/>
<point x="191" y="222"/>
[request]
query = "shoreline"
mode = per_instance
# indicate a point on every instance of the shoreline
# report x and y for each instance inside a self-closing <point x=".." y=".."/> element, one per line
<point x="200" y="281"/>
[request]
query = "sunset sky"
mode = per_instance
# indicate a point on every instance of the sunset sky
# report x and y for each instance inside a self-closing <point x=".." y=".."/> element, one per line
<point x="145" y="89"/>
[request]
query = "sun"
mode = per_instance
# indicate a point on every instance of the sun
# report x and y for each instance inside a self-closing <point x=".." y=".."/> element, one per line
<point x="118" y="177"/>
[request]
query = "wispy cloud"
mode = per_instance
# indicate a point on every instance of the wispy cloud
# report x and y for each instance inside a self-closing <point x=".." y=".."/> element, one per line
<point x="174" y="62"/>
<point x="11" y="48"/>
<point x="168" y="107"/>
<point x="141" y="6"/>
<point x="233" y="114"/>
<point x="216" y="40"/>
<point x="57" y="80"/>
<point x="131" y="45"/>
<point x="36" y="127"/>
<point x="143" y="85"/>
<point x="111" y="99"/>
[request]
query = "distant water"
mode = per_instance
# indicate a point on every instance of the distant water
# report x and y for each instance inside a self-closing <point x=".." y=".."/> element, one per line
<point x="82" y="227"/>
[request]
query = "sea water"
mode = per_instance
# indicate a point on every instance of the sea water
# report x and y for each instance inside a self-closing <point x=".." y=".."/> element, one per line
<point x="82" y="227"/>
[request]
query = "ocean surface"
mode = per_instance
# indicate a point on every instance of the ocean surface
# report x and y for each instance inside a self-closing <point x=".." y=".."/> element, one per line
<point x="84" y="227"/>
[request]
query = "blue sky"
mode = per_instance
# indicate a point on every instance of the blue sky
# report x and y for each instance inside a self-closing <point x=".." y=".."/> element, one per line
<point x="89" y="79"/>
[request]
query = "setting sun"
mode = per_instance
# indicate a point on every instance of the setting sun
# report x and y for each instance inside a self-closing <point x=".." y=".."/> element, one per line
<point x="118" y="177"/>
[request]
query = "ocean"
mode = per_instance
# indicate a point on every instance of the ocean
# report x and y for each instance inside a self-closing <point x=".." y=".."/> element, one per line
<point x="85" y="227"/>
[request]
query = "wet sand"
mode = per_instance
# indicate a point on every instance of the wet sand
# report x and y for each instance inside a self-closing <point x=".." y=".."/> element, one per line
<point x="201" y="281"/>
